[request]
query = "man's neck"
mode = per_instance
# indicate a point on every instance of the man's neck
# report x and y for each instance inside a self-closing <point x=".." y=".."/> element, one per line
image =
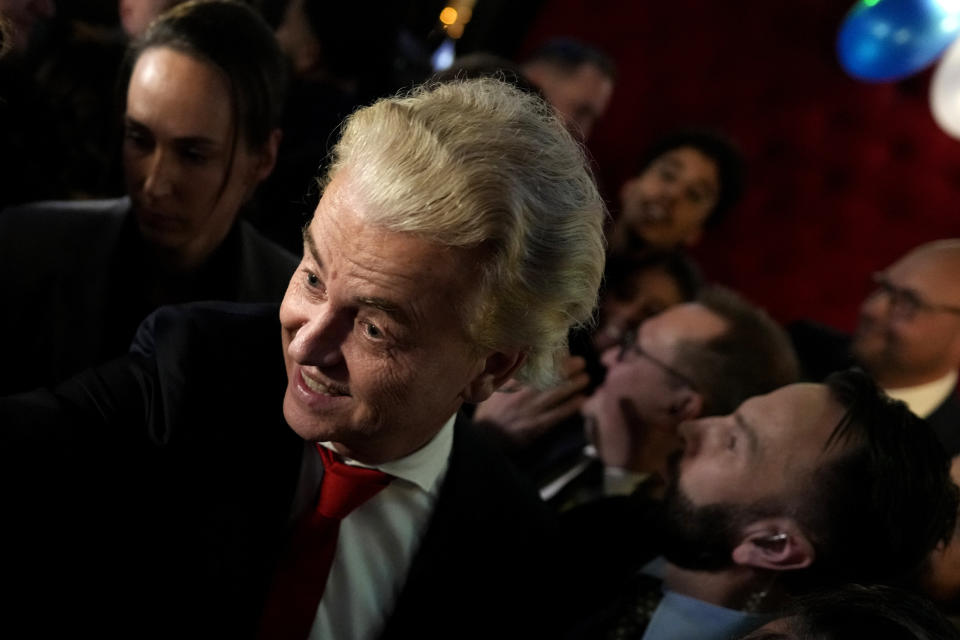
<point x="740" y="588"/>
<point x="908" y="379"/>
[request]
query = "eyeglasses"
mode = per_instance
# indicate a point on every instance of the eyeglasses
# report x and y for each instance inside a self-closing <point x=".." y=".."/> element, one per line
<point x="906" y="302"/>
<point x="628" y="344"/>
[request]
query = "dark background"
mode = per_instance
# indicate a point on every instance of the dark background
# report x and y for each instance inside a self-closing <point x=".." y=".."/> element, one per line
<point x="843" y="176"/>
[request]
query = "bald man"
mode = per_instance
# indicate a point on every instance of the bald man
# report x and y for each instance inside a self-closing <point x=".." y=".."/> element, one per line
<point x="908" y="337"/>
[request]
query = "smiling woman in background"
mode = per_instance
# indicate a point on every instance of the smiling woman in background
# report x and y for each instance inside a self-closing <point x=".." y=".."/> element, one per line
<point x="203" y="102"/>
<point x="687" y="181"/>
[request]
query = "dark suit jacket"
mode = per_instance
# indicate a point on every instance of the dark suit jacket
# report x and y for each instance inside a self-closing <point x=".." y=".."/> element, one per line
<point x="173" y="472"/>
<point x="75" y="284"/>
<point x="823" y="350"/>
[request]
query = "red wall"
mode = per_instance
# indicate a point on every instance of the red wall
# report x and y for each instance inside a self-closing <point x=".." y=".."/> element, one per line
<point x="843" y="176"/>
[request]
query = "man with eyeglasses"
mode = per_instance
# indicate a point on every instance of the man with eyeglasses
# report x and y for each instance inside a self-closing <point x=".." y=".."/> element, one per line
<point x="697" y="359"/>
<point x="907" y="339"/>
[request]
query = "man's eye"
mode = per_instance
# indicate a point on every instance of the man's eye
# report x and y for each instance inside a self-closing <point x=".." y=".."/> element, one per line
<point x="372" y="331"/>
<point x="312" y="279"/>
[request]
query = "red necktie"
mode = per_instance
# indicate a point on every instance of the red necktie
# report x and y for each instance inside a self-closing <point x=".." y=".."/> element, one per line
<point x="302" y="574"/>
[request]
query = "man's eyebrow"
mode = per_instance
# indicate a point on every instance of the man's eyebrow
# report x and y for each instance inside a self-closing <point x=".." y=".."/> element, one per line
<point x="748" y="431"/>
<point x="389" y="307"/>
<point x="310" y="244"/>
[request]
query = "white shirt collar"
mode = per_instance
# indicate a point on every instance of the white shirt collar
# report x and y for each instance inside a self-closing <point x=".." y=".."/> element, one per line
<point x="425" y="467"/>
<point x="923" y="399"/>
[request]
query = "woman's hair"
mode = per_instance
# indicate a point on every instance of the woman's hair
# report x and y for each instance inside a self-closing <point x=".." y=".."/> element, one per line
<point x="233" y="38"/>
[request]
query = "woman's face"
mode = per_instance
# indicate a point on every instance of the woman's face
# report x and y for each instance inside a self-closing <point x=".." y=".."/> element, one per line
<point x="178" y="142"/>
<point x="669" y="202"/>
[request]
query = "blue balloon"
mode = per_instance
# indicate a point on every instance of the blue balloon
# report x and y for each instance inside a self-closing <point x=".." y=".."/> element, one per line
<point x="884" y="40"/>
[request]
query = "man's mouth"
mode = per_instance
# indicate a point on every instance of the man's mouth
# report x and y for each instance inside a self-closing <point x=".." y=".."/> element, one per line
<point x="324" y="389"/>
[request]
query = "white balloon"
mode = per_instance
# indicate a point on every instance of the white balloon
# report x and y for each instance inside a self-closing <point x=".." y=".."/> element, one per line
<point x="945" y="91"/>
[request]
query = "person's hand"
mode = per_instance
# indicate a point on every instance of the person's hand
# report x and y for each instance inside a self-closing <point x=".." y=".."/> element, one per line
<point x="521" y="414"/>
<point x="653" y="441"/>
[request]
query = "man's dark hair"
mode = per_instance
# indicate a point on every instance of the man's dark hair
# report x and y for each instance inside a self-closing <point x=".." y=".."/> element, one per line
<point x="721" y="150"/>
<point x="621" y="270"/>
<point x="876" y="510"/>
<point x="569" y="55"/>
<point x="752" y="357"/>
<point x="857" y="611"/>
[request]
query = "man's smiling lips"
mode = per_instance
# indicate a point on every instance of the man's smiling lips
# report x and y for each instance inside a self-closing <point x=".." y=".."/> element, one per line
<point x="322" y="388"/>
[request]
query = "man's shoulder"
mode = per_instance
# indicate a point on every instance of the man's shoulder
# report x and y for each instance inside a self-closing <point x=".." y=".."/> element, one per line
<point x="945" y="422"/>
<point x="74" y="212"/>
<point x="488" y="548"/>
<point x="204" y="328"/>
<point x="482" y="474"/>
<point x="71" y="233"/>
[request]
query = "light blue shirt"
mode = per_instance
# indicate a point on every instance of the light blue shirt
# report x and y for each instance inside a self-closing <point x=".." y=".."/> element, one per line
<point x="680" y="617"/>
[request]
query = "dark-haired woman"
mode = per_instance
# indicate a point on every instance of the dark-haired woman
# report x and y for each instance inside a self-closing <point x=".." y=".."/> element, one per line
<point x="203" y="103"/>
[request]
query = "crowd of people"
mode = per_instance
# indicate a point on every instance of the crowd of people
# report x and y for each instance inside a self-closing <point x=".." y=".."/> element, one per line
<point x="319" y="352"/>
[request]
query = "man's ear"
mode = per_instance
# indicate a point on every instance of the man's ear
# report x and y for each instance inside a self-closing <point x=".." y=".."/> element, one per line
<point x="686" y="404"/>
<point x="774" y="543"/>
<point x="497" y="369"/>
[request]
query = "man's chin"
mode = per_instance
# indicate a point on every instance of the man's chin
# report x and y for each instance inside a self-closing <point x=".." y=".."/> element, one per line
<point x="303" y="423"/>
<point x="694" y="538"/>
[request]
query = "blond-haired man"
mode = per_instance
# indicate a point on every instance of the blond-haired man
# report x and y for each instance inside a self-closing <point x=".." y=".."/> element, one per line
<point x="457" y="240"/>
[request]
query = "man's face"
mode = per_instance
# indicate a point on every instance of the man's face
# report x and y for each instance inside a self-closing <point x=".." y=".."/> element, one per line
<point x="23" y="16"/>
<point x="643" y="393"/>
<point x="136" y="15"/>
<point x="580" y="97"/>
<point x="177" y="151"/>
<point x="734" y="469"/>
<point x="764" y="450"/>
<point x="668" y="204"/>
<point x="376" y="352"/>
<point x="902" y="344"/>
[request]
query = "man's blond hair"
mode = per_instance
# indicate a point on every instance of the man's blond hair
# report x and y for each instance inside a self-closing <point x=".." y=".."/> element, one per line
<point x="479" y="164"/>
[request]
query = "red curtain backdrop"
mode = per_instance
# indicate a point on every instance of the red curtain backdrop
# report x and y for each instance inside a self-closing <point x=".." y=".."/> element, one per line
<point x="843" y="176"/>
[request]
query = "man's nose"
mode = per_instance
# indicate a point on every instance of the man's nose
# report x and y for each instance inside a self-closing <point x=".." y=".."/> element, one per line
<point x="610" y="356"/>
<point x="692" y="434"/>
<point x="319" y="341"/>
<point x="878" y="305"/>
